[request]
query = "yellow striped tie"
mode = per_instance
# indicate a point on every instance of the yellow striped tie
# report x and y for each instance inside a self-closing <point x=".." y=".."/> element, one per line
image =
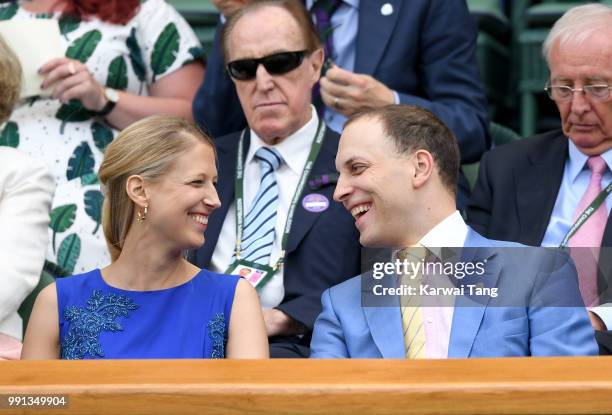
<point x="412" y="315"/>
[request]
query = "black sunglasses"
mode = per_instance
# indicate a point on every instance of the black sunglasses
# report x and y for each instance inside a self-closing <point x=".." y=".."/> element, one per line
<point x="276" y="64"/>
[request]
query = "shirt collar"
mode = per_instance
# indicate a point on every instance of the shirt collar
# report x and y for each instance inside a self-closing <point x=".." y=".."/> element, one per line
<point x="451" y="232"/>
<point x="578" y="159"/>
<point x="294" y="149"/>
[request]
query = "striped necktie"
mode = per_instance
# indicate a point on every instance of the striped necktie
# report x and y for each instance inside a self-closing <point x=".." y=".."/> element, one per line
<point x="412" y="315"/>
<point x="260" y="222"/>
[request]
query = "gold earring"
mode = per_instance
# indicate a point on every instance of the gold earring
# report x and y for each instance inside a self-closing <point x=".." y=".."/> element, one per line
<point x="141" y="216"/>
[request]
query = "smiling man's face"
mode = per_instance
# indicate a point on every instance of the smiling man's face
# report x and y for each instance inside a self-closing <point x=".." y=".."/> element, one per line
<point x="275" y="106"/>
<point x="375" y="184"/>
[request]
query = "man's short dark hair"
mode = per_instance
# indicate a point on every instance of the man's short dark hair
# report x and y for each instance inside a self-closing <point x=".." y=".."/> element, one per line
<point x="412" y="128"/>
<point x="294" y="7"/>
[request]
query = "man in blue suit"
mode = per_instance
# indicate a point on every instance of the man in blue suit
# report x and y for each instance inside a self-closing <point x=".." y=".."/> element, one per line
<point x="397" y="168"/>
<point x="278" y="225"/>
<point x="419" y="52"/>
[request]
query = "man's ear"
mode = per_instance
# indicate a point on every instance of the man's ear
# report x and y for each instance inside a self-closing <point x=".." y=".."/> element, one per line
<point x="136" y="190"/>
<point x="316" y="60"/>
<point x="423" y="164"/>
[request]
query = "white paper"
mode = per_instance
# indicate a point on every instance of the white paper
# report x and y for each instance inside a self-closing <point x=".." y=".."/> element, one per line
<point x="35" y="42"/>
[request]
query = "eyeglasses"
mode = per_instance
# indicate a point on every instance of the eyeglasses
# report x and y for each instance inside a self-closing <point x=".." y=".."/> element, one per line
<point x="565" y="93"/>
<point x="276" y="64"/>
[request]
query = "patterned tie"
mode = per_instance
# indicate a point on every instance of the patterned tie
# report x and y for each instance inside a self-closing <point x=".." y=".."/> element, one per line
<point x="590" y="234"/>
<point x="412" y="315"/>
<point x="259" y="223"/>
<point x="322" y="11"/>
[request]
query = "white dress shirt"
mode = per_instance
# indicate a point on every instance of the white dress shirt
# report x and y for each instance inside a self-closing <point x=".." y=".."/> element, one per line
<point x="294" y="150"/>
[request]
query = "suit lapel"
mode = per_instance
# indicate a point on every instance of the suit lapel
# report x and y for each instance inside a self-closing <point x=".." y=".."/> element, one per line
<point x="607" y="237"/>
<point x="383" y="317"/>
<point x="385" y="325"/>
<point x="605" y="264"/>
<point x="469" y="312"/>
<point x="537" y="183"/>
<point x="324" y="164"/>
<point x="375" y="30"/>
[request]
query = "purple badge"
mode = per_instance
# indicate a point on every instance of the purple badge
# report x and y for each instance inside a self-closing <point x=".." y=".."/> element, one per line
<point x="315" y="202"/>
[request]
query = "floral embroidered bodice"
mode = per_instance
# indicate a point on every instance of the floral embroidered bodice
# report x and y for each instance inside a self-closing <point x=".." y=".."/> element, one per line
<point x="187" y="321"/>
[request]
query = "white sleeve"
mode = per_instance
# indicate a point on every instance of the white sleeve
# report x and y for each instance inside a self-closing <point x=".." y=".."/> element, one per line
<point x="26" y="191"/>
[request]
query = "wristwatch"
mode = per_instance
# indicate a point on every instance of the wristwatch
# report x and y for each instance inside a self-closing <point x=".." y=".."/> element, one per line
<point x="112" y="97"/>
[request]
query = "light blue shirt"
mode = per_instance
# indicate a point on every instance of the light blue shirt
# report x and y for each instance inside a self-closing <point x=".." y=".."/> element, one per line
<point x="345" y="22"/>
<point x="576" y="177"/>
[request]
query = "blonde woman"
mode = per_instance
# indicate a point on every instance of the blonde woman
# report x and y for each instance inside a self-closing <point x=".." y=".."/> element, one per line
<point x="26" y="190"/>
<point x="159" y="177"/>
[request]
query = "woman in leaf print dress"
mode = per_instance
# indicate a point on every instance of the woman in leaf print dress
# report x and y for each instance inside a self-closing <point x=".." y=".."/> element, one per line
<point x="145" y="57"/>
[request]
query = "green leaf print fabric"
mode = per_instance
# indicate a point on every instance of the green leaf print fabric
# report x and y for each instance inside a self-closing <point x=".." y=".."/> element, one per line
<point x="72" y="139"/>
<point x="85" y="46"/>
<point x="81" y="162"/>
<point x="68" y="24"/>
<point x="9" y="11"/>
<point x="164" y="52"/>
<point x="117" y="74"/>
<point x="93" y="206"/>
<point x="68" y="253"/>
<point x="102" y="135"/>
<point x="10" y="135"/>
<point x="62" y="218"/>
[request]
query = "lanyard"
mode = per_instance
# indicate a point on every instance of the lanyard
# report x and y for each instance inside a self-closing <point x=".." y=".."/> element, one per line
<point x="314" y="151"/>
<point x="586" y="214"/>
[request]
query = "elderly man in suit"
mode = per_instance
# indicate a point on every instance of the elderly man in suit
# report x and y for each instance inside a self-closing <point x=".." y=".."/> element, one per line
<point x="276" y="176"/>
<point x="398" y="166"/>
<point x="419" y="52"/>
<point x="533" y="191"/>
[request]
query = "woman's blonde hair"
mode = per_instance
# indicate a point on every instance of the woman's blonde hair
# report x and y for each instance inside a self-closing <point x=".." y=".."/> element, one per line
<point x="10" y="80"/>
<point x="146" y="148"/>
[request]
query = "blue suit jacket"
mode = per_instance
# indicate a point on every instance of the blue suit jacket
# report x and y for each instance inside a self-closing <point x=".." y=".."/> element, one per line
<point x="323" y="248"/>
<point x="424" y="50"/>
<point x="346" y="329"/>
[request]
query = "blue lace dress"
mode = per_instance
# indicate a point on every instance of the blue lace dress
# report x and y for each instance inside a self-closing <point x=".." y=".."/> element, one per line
<point x="97" y="321"/>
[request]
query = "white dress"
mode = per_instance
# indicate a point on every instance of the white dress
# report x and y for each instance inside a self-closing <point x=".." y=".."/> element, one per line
<point x="70" y="139"/>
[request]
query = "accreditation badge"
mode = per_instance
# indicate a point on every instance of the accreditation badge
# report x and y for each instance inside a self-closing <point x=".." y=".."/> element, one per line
<point x="257" y="274"/>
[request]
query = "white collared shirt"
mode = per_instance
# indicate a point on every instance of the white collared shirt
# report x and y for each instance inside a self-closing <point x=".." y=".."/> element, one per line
<point x="451" y="232"/>
<point x="294" y="150"/>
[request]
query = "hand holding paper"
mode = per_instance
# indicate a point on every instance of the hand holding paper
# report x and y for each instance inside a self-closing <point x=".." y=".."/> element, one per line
<point x="70" y="79"/>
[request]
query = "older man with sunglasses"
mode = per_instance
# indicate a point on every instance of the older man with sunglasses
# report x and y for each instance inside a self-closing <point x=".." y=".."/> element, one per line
<point x="418" y="52"/>
<point x="277" y="176"/>
<point x="539" y="191"/>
